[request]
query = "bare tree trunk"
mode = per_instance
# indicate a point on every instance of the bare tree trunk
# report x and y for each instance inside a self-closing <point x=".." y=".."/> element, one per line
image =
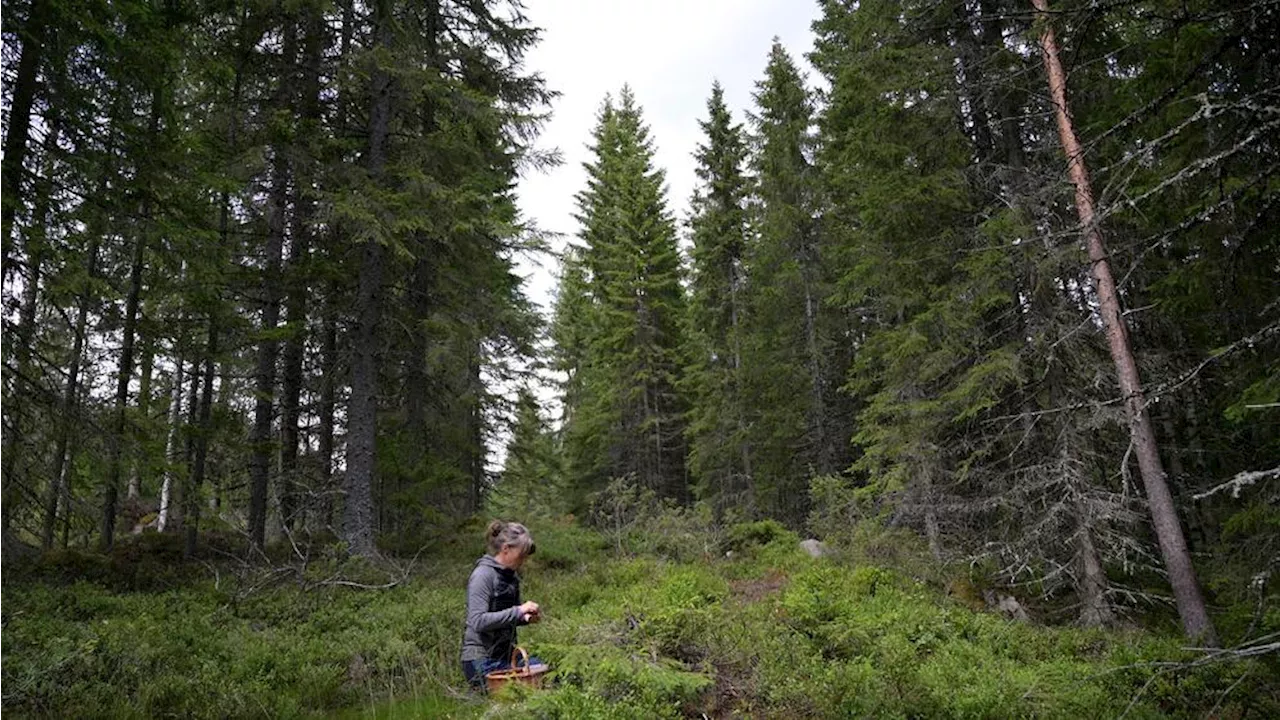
<point x="299" y="273"/>
<point x="362" y="412"/>
<point x="260" y="439"/>
<point x="144" y="409"/>
<point x="191" y="498"/>
<point x="931" y="530"/>
<point x="328" y="395"/>
<point x="123" y="376"/>
<point x="358" y="519"/>
<point x="171" y="443"/>
<point x="1095" y="609"/>
<point x="265" y="373"/>
<point x="1164" y="516"/>
<point x="178" y="507"/>
<point x="291" y="395"/>
<point x="58" y="486"/>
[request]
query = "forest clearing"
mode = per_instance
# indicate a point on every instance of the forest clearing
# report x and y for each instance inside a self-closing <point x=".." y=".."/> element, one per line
<point x="668" y="631"/>
<point x="888" y="358"/>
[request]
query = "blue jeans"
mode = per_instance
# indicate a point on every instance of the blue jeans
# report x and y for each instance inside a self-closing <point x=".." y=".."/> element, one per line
<point x="475" y="670"/>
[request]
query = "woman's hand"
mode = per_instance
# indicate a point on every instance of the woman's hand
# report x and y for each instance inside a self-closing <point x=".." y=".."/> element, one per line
<point x="530" y="612"/>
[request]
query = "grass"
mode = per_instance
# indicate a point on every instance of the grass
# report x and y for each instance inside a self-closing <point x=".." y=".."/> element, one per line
<point x="768" y="633"/>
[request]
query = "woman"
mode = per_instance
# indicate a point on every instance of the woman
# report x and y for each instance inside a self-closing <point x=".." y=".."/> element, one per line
<point x="494" y="609"/>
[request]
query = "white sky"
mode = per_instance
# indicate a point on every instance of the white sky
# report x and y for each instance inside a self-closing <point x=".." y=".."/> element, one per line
<point x="669" y="51"/>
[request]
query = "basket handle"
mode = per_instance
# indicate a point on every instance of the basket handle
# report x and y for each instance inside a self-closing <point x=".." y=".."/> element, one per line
<point x="519" y="651"/>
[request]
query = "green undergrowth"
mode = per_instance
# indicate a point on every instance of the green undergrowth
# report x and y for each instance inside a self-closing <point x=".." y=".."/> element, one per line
<point x="768" y="632"/>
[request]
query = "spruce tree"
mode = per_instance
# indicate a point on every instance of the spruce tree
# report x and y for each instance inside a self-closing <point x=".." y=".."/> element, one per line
<point x="792" y="368"/>
<point x="719" y="456"/>
<point x="628" y="421"/>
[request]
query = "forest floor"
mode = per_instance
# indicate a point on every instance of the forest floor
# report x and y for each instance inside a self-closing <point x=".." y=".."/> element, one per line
<point x="769" y="632"/>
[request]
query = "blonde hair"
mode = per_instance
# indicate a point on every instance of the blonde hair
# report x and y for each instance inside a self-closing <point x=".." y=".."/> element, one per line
<point x="501" y="534"/>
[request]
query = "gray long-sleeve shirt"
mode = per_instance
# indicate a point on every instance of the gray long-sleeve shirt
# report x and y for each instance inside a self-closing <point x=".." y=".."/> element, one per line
<point x="493" y="611"/>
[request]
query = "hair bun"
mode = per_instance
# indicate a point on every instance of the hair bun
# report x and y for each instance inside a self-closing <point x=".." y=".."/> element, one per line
<point x="495" y="528"/>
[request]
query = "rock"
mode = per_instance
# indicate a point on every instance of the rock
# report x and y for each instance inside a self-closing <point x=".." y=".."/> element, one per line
<point x="1011" y="608"/>
<point x="815" y="548"/>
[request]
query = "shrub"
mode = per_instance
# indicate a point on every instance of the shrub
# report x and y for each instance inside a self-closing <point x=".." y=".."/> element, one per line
<point x="742" y="536"/>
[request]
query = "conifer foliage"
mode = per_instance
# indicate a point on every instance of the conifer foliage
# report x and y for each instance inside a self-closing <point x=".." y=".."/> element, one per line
<point x="625" y="417"/>
<point x="284" y="236"/>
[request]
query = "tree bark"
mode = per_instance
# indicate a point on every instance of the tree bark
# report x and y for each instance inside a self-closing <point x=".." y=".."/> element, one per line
<point x="1164" y="517"/>
<point x="171" y="444"/>
<point x="298" y="274"/>
<point x="358" y="519"/>
<point x="15" y="142"/>
<point x="268" y="351"/>
<point x="144" y="410"/>
<point x="362" y="408"/>
<point x="58" y="486"/>
<point x="25" y="332"/>
<point x="260" y="439"/>
<point x="191" y="498"/>
<point x="1095" y="609"/>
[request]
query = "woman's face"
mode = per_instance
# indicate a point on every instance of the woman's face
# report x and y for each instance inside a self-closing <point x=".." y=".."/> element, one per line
<point x="511" y="556"/>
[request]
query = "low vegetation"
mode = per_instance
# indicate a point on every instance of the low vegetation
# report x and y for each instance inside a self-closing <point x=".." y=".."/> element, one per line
<point x="632" y="631"/>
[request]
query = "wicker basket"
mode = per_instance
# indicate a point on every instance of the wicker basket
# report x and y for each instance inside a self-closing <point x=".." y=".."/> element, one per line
<point x="528" y="674"/>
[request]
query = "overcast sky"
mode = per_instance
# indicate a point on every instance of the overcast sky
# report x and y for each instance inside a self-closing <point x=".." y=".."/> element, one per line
<point x="669" y="51"/>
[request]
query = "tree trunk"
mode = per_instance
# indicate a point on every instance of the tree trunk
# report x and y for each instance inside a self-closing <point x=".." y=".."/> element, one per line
<point x="818" y="412"/>
<point x="328" y="395"/>
<point x="25" y="332"/>
<point x="171" y="443"/>
<point x="144" y="410"/>
<point x="260" y="439"/>
<point x="25" y="80"/>
<point x="58" y="485"/>
<point x="1164" y="516"/>
<point x="123" y="376"/>
<point x="291" y="507"/>
<point x="265" y="372"/>
<point x="475" y="417"/>
<point x="362" y="411"/>
<point x="358" y="519"/>
<point x="291" y="390"/>
<point x="191" y="498"/>
<point x="1095" y="609"/>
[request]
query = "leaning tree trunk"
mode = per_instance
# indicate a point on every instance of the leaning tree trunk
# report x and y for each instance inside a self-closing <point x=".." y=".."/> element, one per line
<point x="1164" y="516"/>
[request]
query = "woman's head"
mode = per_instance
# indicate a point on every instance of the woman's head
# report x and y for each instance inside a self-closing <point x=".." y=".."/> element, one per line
<point x="511" y="541"/>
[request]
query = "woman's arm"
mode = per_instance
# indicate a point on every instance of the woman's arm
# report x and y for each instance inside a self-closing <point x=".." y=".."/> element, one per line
<point x="479" y="590"/>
